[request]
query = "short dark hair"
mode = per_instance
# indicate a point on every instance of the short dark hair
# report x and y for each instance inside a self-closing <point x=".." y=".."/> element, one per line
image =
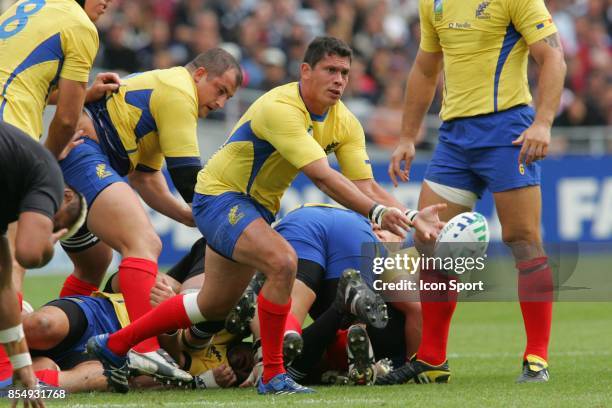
<point x="216" y="61"/>
<point x="322" y="47"/>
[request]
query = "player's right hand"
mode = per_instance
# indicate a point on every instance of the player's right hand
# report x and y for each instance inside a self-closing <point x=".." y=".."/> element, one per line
<point x="404" y="152"/>
<point x="104" y="82"/>
<point x="224" y="376"/>
<point x="25" y="376"/>
<point x="160" y="292"/>
<point x="427" y="223"/>
<point x="74" y="142"/>
<point x="395" y="220"/>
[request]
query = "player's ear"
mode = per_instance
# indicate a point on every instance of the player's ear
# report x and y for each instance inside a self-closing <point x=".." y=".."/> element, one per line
<point x="199" y="73"/>
<point x="305" y="70"/>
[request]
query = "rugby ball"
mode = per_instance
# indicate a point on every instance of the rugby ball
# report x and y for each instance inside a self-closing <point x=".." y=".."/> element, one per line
<point x="465" y="235"/>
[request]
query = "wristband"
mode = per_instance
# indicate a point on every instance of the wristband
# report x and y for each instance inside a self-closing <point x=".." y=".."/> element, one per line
<point x="411" y="215"/>
<point x="20" y="360"/>
<point x="376" y="213"/>
<point x="208" y="379"/>
<point x="12" y="334"/>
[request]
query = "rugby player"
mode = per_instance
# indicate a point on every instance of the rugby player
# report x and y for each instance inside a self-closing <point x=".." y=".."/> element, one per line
<point x="152" y="117"/>
<point x="34" y="197"/>
<point x="490" y="138"/>
<point x="289" y="129"/>
<point x="59" y="330"/>
<point x="42" y="61"/>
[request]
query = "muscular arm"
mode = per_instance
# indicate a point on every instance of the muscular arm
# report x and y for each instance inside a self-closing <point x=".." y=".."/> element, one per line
<point x="420" y="90"/>
<point x="70" y="99"/>
<point x="154" y="190"/>
<point x="35" y="240"/>
<point x="372" y="189"/>
<point x="338" y="187"/>
<point x="548" y="54"/>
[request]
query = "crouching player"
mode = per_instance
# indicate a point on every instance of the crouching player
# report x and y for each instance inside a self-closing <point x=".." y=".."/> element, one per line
<point x="44" y="211"/>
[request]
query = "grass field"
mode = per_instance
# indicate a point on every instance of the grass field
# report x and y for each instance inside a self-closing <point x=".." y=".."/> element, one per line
<point x="484" y="353"/>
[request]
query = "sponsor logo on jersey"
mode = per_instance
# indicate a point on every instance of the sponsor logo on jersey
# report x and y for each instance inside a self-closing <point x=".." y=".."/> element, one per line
<point x="234" y="216"/>
<point x="101" y="171"/>
<point x="481" y="11"/>
<point x="459" y="26"/>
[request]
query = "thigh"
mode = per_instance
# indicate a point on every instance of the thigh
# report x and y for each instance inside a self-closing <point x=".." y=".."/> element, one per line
<point x="449" y="164"/>
<point x="500" y="168"/>
<point x="428" y="197"/>
<point x="130" y="226"/>
<point x="519" y="213"/>
<point x="46" y="327"/>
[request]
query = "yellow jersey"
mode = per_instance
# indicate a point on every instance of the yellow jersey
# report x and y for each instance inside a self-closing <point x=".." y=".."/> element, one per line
<point x="40" y="42"/>
<point x="484" y="44"/>
<point x="274" y="139"/>
<point x="213" y="355"/>
<point x="152" y="118"/>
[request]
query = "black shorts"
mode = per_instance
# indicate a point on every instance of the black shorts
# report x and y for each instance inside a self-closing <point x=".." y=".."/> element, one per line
<point x="77" y="325"/>
<point x="191" y="264"/>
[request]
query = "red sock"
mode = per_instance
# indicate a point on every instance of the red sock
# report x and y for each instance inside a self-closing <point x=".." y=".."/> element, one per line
<point x="50" y="377"/>
<point x="292" y="324"/>
<point x="75" y="286"/>
<point x="336" y="356"/>
<point x="535" y="287"/>
<point x="6" y="369"/>
<point x="136" y="278"/>
<point x="170" y="315"/>
<point x="437" y="309"/>
<point x="272" y="318"/>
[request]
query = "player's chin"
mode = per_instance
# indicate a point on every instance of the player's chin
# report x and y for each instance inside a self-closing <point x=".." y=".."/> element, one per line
<point x="203" y="112"/>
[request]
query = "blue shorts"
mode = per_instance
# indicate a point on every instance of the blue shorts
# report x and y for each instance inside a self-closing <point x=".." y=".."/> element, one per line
<point x="222" y="218"/>
<point x="477" y="153"/>
<point x="88" y="170"/>
<point x="101" y="318"/>
<point x="332" y="237"/>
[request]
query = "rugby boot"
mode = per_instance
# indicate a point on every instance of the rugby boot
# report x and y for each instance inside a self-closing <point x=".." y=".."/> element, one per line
<point x="292" y="346"/>
<point x="238" y="319"/>
<point x="360" y="356"/>
<point x="115" y="367"/>
<point x="355" y="297"/>
<point x="535" y="370"/>
<point x="282" y="384"/>
<point x="427" y="373"/>
<point x="160" y="365"/>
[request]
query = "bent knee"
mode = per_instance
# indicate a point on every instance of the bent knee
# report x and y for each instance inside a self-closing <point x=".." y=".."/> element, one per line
<point x="37" y="327"/>
<point x="282" y="265"/>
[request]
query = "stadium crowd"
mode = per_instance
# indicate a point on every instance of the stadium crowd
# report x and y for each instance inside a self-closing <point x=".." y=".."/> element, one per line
<point x="269" y="38"/>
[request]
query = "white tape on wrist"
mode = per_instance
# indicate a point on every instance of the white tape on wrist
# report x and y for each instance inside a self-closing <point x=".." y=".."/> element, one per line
<point x="20" y="360"/>
<point x="411" y="215"/>
<point x="208" y="378"/>
<point x="11" y="334"/>
<point x="376" y="213"/>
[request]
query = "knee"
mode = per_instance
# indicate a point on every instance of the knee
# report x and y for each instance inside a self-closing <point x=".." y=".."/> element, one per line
<point x="146" y="245"/>
<point x="525" y="235"/>
<point x="282" y="265"/>
<point x="37" y="327"/>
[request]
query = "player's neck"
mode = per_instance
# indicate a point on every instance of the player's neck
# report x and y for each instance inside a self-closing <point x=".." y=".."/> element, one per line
<point x="310" y="102"/>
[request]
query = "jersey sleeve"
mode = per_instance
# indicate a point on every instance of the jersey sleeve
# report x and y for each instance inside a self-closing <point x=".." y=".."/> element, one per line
<point x="284" y="127"/>
<point x="351" y="153"/>
<point x="80" y="45"/>
<point x="531" y="19"/>
<point x="46" y="191"/>
<point x="430" y="42"/>
<point x="150" y="157"/>
<point x="176" y="117"/>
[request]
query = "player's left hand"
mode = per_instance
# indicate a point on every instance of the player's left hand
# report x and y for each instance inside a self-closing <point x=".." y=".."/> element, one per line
<point x="427" y="223"/>
<point x="74" y="142"/>
<point x="104" y="82"/>
<point x="535" y="140"/>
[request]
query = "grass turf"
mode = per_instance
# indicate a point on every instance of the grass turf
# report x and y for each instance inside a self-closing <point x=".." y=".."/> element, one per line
<point x="485" y="349"/>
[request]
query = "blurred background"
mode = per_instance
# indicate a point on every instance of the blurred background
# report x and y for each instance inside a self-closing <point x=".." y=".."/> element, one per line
<point x="269" y="38"/>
